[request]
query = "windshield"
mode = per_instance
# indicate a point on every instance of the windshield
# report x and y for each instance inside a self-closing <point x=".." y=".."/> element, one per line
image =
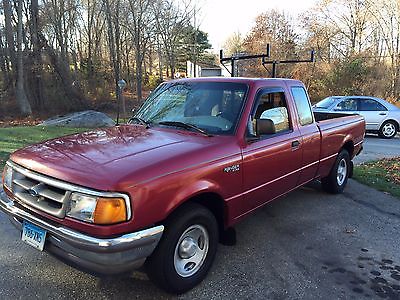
<point x="325" y="103"/>
<point x="211" y="106"/>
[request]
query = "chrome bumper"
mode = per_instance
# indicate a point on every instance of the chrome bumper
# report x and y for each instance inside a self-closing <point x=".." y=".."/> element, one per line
<point x="104" y="256"/>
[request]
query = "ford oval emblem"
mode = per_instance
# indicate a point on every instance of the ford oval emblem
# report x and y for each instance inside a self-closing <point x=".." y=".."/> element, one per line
<point x="33" y="192"/>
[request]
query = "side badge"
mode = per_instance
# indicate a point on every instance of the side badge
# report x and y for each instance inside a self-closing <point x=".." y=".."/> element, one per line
<point x="231" y="169"/>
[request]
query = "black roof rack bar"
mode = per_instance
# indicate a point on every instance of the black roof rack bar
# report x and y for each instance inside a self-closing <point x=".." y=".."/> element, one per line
<point x="233" y="58"/>
<point x="264" y="60"/>
<point x="274" y="63"/>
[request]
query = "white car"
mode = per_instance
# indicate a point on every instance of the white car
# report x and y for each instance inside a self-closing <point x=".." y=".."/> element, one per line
<point x="380" y="116"/>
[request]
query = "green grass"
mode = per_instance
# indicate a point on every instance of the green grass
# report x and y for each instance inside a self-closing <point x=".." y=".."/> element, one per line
<point x="13" y="138"/>
<point x="383" y="175"/>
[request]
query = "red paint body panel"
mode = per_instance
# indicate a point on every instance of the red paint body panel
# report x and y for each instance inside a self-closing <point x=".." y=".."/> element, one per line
<point x="162" y="168"/>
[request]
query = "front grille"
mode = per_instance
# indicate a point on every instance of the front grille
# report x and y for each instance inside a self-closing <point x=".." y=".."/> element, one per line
<point x="36" y="190"/>
<point x="49" y="194"/>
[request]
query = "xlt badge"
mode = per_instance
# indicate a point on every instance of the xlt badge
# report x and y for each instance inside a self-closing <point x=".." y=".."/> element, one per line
<point x="231" y="169"/>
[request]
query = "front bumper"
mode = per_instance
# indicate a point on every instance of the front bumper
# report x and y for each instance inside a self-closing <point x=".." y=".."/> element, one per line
<point x="103" y="256"/>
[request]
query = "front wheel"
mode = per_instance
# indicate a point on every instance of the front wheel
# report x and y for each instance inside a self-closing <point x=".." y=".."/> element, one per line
<point x="336" y="181"/>
<point x="388" y="130"/>
<point x="186" y="250"/>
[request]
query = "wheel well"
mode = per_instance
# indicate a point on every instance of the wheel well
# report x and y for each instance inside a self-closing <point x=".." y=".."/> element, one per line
<point x="349" y="146"/>
<point x="395" y="123"/>
<point x="215" y="204"/>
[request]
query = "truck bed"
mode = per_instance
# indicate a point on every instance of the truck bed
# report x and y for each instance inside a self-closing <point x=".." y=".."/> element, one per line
<point x="322" y="116"/>
<point x="336" y="129"/>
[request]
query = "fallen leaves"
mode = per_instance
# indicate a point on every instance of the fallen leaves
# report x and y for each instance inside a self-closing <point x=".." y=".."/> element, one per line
<point x="391" y="166"/>
<point x="29" y="121"/>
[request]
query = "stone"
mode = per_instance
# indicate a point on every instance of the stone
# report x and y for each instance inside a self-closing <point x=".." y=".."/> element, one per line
<point x="85" y="119"/>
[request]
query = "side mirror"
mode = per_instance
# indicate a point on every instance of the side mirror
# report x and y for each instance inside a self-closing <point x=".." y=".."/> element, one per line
<point x="265" y="126"/>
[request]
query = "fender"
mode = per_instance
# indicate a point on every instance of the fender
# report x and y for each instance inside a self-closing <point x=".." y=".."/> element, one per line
<point x="187" y="192"/>
<point x="348" y="144"/>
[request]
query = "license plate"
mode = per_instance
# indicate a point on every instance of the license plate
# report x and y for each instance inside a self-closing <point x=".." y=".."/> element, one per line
<point x="33" y="235"/>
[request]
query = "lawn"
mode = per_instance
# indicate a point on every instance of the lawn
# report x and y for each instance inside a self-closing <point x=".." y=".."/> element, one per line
<point x="383" y="175"/>
<point x="13" y="138"/>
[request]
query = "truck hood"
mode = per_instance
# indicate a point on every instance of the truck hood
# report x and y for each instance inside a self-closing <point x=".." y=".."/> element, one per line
<point x="105" y="159"/>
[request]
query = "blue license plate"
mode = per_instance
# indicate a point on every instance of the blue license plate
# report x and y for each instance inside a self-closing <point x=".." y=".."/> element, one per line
<point x="33" y="235"/>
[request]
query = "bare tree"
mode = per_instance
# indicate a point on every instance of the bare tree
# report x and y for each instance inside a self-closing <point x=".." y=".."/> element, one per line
<point x="140" y="23"/>
<point x="37" y="56"/>
<point x="55" y="54"/>
<point x="350" y="21"/>
<point x="387" y="41"/>
<point x="171" y="22"/>
<point x="114" y="43"/>
<point x="4" y="65"/>
<point x="22" y="100"/>
<point x="233" y="44"/>
<point x="10" y="42"/>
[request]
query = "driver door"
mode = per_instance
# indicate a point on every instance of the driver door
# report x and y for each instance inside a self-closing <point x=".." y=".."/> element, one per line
<point x="271" y="163"/>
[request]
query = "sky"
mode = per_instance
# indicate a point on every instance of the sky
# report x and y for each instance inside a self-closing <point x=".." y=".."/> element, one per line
<point x="221" y="18"/>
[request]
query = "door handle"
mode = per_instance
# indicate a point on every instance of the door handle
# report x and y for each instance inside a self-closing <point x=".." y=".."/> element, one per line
<point x="383" y="114"/>
<point x="295" y="144"/>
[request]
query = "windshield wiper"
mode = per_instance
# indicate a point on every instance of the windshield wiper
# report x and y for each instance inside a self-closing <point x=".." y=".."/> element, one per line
<point x="140" y="121"/>
<point x="184" y="125"/>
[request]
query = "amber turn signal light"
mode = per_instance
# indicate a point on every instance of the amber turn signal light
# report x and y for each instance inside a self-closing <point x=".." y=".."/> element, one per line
<point x="109" y="211"/>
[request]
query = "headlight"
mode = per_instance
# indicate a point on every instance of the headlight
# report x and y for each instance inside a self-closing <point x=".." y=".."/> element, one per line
<point x="97" y="210"/>
<point x="7" y="177"/>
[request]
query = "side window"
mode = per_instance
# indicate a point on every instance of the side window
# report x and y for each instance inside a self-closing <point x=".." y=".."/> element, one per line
<point x="271" y="104"/>
<point x="347" y="105"/>
<point x="371" y="105"/>
<point x="303" y="105"/>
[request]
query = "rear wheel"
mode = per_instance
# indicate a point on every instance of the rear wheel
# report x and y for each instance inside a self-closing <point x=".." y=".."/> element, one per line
<point x="336" y="181"/>
<point x="388" y="130"/>
<point x="186" y="250"/>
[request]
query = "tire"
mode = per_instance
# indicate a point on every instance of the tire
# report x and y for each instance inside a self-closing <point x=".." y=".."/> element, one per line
<point x="336" y="181"/>
<point x="388" y="130"/>
<point x="189" y="229"/>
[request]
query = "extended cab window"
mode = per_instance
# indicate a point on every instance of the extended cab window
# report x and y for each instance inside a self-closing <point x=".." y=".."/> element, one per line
<point x="270" y="104"/>
<point x="303" y="105"/>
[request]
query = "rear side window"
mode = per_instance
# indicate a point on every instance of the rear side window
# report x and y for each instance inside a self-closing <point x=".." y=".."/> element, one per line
<point x="371" y="105"/>
<point x="303" y="105"/>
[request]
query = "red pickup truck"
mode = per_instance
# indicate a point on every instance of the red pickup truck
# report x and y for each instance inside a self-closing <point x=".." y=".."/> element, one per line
<point x="197" y="157"/>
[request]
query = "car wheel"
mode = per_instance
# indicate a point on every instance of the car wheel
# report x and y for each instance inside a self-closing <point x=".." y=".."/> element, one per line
<point x="388" y="130"/>
<point x="186" y="251"/>
<point x="336" y="181"/>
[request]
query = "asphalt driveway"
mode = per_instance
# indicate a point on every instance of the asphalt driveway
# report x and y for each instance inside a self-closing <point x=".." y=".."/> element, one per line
<point x="308" y="245"/>
<point x="377" y="148"/>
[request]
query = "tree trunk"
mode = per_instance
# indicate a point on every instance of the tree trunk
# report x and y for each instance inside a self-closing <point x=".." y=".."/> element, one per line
<point x="145" y="77"/>
<point x="139" y="74"/>
<point x="111" y="45"/>
<point x="118" y="57"/>
<point x="37" y="57"/>
<point x="4" y="64"/>
<point x="10" y="43"/>
<point x="22" y="100"/>
<point x="160" y="60"/>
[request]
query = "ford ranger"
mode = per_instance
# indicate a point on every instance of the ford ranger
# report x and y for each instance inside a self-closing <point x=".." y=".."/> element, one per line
<point x="159" y="192"/>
